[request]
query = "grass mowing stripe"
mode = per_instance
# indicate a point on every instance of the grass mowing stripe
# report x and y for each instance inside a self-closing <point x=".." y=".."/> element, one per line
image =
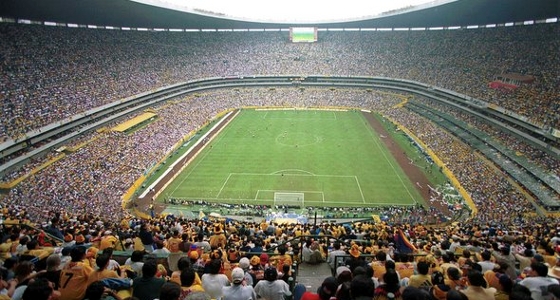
<point x="304" y="151"/>
<point x="384" y="153"/>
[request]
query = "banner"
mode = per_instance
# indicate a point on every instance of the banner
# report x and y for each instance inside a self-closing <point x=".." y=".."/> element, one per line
<point x="402" y="243"/>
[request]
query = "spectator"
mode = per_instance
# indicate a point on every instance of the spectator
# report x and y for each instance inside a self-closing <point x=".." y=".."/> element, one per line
<point x="52" y="273"/>
<point x="476" y="288"/>
<point x="74" y="276"/>
<point x="170" y="291"/>
<point x="422" y="279"/>
<point x="327" y="290"/>
<point x="239" y="290"/>
<point x="335" y="254"/>
<point x="102" y="262"/>
<point x="537" y="281"/>
<point x="40" y="289"/>
<point x="213" y="282"/>
<point x="97" y="291"/>
<point x="390" y="288"/>
<point x="362" y="288"/>
<point x="271" y="288"/>
<point x="147" y="287"/>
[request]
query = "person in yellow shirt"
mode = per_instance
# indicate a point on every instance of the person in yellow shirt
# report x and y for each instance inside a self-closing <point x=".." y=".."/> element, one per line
<point x="91" y="255"/>
<point x="282" y="259"/>
<point x="182" y="264"/>
<point x="40" y="252"/>
<point x="75" y="276"/>
<point x="108" y="240"/>
<point x="174" y="241"/>
<point x="218" y="239"/>
<point x="102" y="261"/>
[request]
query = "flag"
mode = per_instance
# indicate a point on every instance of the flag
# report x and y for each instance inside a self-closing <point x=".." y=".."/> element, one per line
<point x="402" y="244"/>
<point x="201" y="215"/>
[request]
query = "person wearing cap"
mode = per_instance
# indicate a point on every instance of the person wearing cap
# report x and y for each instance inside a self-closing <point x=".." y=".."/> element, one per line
<point x="197" y="263"/>
<point x="245" y="264"/>
<point x="256" y="269"/>
<point x="91" y="255"/>
<point x="240" y="290"/>
<point x="218" y="239"/>
<point x="538" y="281"/>
<point x="355" y="260"/>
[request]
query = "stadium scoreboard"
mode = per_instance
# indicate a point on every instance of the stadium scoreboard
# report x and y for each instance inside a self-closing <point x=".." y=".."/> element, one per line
<point x="303" y="34"/>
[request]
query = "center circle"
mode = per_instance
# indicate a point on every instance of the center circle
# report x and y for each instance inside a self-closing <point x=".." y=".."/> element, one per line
<point x="298" y="139"/>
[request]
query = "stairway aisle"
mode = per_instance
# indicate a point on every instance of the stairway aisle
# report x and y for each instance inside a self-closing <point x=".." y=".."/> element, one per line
<point x="311" y="276"/>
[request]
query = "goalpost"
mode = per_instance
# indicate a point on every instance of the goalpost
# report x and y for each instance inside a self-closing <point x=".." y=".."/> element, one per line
<point x="289" y="199"/>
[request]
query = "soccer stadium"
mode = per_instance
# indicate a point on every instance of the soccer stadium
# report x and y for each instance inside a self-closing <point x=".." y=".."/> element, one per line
<point x="163" y="149"/>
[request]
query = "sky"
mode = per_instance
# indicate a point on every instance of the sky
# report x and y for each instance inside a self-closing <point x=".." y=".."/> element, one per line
<point x="297" y="11"/>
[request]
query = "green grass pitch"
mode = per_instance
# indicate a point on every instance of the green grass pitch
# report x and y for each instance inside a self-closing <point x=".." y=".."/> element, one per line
<point x="330" y="158"/>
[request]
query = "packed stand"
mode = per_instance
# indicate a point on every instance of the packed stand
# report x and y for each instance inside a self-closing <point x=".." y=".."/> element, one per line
<point x="231" y="259"/>
<point x="54" y="73"/>
<point x="98" y="174"/>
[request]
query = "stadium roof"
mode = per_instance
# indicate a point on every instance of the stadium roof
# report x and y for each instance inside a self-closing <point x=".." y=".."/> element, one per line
<point x="125" y="13"/>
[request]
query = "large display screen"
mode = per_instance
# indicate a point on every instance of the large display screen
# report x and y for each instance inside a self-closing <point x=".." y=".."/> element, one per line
<point x="303" y="34"/>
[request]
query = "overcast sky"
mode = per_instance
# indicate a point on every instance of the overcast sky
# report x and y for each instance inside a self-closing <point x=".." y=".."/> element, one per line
<point x="299" y="11"/>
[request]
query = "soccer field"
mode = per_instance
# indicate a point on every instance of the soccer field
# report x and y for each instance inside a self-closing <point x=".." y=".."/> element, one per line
<point x="318" y="157"/>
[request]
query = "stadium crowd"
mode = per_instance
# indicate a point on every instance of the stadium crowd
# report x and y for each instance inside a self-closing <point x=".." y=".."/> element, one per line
<point x="214" y="259"/>
<point x="99" y="173"/>
<point x="48" y="80"/>
<point x="54" y="73"/>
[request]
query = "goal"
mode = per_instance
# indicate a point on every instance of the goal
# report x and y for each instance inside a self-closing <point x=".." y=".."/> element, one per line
<point x="289" y="199"/>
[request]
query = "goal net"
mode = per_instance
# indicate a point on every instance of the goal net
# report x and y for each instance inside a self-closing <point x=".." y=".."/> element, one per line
<point x="289" y="199"/>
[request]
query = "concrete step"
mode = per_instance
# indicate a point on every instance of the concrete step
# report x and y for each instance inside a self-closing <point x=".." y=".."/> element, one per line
<point x="311" y="276"/>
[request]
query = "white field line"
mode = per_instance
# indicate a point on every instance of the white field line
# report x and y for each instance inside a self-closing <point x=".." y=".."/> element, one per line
<point x="223" y="185"/>
<point x="182" y="156"/>
<point x="376" y="141"/>
<point x="360" y="188"/>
